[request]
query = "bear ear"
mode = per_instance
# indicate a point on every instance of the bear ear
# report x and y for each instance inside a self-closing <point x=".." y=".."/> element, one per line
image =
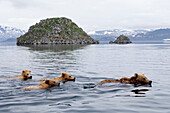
<point x="23" y="71"/>
<point x="63" y="74"/>
<point x="47" y="81"/>
<point x="136" y="75"/>
<point x="30" y="71"/>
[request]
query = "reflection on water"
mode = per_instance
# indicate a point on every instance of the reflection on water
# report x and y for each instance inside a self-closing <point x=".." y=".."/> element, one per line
<point x="140" y="91"/>
<point x="89" y="64"/>
<point x="60" y="104"/>
<point x="55" y="48"/>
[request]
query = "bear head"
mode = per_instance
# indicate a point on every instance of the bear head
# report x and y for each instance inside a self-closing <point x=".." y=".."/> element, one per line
<point x="66" y="77"/>
<point x="140" y="80"/>
<point x="26" y="74"/>
<point x="51" y="83"/>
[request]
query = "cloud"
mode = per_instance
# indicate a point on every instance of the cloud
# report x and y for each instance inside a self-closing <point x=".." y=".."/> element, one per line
<point x="24" y="3"/>
<point x="89" y="14"/>
<point x="27" y="22"/>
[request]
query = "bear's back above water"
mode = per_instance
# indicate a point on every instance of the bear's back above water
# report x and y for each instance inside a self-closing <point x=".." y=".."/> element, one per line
<point x="25" y="75"/>
<point x="63" y="77"/>
<point x="137" y="79"/>
<point x="44" y="85"/>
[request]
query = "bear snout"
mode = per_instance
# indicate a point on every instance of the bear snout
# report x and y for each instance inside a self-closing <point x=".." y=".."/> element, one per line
<point x="30" y="77"/>
<point x="150" y="82"/>
<point x="58" y="84"/>
<point x="74" y="79"/>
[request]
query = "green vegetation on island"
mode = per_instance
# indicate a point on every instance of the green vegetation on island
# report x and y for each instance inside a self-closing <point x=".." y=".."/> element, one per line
<point x="55" y="31"/>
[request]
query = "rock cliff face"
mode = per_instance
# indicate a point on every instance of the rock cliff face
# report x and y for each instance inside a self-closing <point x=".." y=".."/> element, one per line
<point x="55" y="31"/>
<point x="122" y="40"/>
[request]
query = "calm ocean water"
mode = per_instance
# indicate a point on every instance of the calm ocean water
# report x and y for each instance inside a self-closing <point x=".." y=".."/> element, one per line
<point x="89" y="64"/>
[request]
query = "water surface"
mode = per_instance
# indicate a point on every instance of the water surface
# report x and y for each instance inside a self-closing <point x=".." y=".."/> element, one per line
<point x="89" y="64"/>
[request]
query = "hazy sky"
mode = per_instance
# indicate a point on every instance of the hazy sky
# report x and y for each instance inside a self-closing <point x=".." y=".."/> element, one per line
<point x="88" y="14"/>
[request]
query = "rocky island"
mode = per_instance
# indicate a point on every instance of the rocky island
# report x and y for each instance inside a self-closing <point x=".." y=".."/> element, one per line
<point x="55" y="31"/>
<point x="121" y="40"/>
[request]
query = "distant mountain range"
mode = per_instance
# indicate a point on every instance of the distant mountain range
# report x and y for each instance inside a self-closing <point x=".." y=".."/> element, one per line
<point x="158" y="34"/>
<point x="134" y="35"/>
<point x="10" y="33"/>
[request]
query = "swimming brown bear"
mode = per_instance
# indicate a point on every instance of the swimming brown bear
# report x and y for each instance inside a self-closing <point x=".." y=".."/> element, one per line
<point x="136" y="80"/>
<point x="63" y="77"/>
<point x="44" y="85"/>
<point x="25" y="75"/>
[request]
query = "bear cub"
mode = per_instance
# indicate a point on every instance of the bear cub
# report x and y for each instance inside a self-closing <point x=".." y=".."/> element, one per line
<point x="44" y="85"/>
<point x="25" y="75"/>
<point x="63" y="77"/>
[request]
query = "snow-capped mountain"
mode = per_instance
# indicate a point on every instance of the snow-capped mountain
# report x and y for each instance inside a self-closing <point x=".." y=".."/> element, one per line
<point x="106" y="35"/>
<point x="134" y="35"/>
<point x="118" y="32"/>
<point x="7" y="33"/>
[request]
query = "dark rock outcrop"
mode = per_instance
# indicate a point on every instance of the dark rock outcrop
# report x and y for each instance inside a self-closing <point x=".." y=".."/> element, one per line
<point x="122" y="40"/>
<point x="111" y="42"/>
<point x="55" y="31"/>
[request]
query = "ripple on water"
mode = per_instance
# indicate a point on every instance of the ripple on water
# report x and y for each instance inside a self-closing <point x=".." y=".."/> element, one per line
<point x="89" y="64"/>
